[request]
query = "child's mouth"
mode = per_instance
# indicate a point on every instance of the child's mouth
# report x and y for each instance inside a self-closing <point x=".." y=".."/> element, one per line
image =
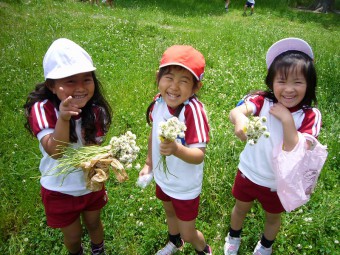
<point x="172" y="96"/>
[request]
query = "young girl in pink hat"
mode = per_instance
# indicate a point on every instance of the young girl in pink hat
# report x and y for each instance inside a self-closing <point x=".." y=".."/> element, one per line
<point x="69" y="109"/>
<point x="179" y="79"/>
<point x="288" y="107"/>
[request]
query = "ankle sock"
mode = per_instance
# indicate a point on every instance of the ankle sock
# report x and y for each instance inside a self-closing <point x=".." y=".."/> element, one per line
<point x="176" y="240"/>
<point x="266" y="243"/>
<point x="205" y="251"/>
<point x="235" y="233"/>
<point x="97" y="249"/>
<point x="80" y="252"/>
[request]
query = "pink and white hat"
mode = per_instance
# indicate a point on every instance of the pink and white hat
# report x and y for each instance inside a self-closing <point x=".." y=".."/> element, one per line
<point x="185" y="56"/>
<point x="285" y="45"/>
<point x="65" y="58"/>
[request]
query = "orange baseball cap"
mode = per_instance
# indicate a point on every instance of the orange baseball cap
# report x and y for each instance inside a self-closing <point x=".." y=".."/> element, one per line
<point x="185" y="56"/>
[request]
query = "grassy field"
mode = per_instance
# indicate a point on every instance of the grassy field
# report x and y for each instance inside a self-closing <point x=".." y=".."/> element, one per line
<point x="126" y="44"/>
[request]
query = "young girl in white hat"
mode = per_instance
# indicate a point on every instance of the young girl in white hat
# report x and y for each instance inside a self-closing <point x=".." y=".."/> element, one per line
<point x="69" y="109"/>
<point x="179" y="78"/>
<point x="288" y="107"/>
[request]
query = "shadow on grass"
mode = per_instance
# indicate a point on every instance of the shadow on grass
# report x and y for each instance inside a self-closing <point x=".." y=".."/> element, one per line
<point x="203" y="8"/>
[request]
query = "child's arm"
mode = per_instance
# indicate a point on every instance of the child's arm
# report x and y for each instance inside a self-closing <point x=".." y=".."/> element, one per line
<point x="189" y="155"/>
<point x="53" y="142"/>
<point x="238" y="116"/>
<point x="148" y="163"/>
<point x="290" y="135"/>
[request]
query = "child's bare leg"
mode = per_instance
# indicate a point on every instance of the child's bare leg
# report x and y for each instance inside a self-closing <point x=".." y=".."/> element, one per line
<point x="72" y="236"/>
<point x="272" y="225"/>
<point x="171" y="218"/>
<point x="94" y="226"/>
<point x="239" y="213"/>
<point x="190" y="234"/>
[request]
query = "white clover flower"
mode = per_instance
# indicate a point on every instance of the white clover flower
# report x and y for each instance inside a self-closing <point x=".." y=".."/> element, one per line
<point x="137" y="166"/>
<point x="170" y="130"/>
<point x="254" y="129"/>
<point x="124" y="148"/>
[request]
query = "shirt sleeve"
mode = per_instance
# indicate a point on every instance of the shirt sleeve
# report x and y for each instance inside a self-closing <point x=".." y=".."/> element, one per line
<point x="311" y="123"/>
<point x="98" y="112"/>
<point x="43" y="116"/>
<point x="257" y="101"/>
<point x="197" y="123"/>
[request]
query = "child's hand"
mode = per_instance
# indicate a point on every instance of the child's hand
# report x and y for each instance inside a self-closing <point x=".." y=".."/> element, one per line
<point x="239" y="128"/>
<point x="66" y="108"/>
<point x="145" y="170"/>
<point x="280" y="112"/>
<point x="168" y="148"/>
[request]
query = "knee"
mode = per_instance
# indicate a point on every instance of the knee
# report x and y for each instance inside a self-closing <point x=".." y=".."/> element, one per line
<point x="93" y="226"/>
<point x="72" y="238"/>
<point x="273" y="219"/>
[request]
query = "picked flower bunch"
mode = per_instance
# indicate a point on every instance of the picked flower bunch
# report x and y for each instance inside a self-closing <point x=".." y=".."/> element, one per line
<point x="96" y="161"/>
<point x="254" y="129"/>
<point x="168" y="131"/>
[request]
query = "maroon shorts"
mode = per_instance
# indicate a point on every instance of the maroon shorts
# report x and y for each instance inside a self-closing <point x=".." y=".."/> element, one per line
<point x="62" y="209"/>
<point x="247" y="191"/>
<point x="186" y="210"/>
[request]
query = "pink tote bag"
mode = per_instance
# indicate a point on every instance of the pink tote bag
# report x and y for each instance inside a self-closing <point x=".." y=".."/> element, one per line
<point x="297" y="171"/>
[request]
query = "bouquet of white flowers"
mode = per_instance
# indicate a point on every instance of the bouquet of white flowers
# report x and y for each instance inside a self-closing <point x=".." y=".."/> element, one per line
<point x="96" y="161"/>
<point x="254" y="129"/>
<point x="170" y="130"/>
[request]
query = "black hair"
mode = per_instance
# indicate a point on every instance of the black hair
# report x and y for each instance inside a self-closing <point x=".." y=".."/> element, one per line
<point x="163" y="71"/>
<point x="284" y="63"/>
<point x="42" y="92"/>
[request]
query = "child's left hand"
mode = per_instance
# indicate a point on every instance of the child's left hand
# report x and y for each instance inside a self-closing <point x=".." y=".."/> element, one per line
<point x="168" y="148"/>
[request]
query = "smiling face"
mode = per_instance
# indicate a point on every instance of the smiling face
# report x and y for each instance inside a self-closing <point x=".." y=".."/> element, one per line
<point x="290" y="87"/>
<point x="80" y="86"/>
<point x="176" y="85"/>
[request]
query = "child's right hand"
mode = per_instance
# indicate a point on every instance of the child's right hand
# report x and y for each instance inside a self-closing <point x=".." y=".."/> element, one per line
<point x="66" y="108"/>
<point x="240" y="123"/>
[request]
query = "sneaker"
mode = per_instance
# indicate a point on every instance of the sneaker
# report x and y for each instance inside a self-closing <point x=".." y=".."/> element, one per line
<point x="232" y="244"/>
<point x="170" y="248"/>
<point x="261" y="250"/>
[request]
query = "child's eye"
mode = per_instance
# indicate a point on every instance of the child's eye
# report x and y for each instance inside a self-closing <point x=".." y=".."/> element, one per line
<point x="70" y="82"/>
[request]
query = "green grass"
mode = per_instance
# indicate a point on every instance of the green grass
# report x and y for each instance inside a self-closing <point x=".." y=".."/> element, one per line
<point x="126" y="44"/>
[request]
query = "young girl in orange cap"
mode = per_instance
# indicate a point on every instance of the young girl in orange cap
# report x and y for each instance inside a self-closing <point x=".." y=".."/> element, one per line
<point x="179" y="79"/>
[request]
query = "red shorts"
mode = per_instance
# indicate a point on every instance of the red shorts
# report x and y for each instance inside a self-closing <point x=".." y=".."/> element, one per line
<point x="186" y="210"/>
<point x="247" y="191"/>
<point x="62" y="209"/>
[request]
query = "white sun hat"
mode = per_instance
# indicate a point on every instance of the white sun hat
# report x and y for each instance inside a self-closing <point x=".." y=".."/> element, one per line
<point x="65" y="58"/>
<point x="285" y="45"/>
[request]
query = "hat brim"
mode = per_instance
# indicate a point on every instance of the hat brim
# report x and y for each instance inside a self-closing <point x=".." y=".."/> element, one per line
<point x="288" y="44"/>
<point x="180" y="64"/>
<point x="60" y="73"/>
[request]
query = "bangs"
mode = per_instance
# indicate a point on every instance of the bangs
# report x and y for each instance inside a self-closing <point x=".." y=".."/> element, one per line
<point x="288" y="66"/>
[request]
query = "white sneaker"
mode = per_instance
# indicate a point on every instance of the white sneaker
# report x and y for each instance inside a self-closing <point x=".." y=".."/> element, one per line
<point x="261" y="250"/>
<point x="232" y="244"/>
<point x="169" y="249"/>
